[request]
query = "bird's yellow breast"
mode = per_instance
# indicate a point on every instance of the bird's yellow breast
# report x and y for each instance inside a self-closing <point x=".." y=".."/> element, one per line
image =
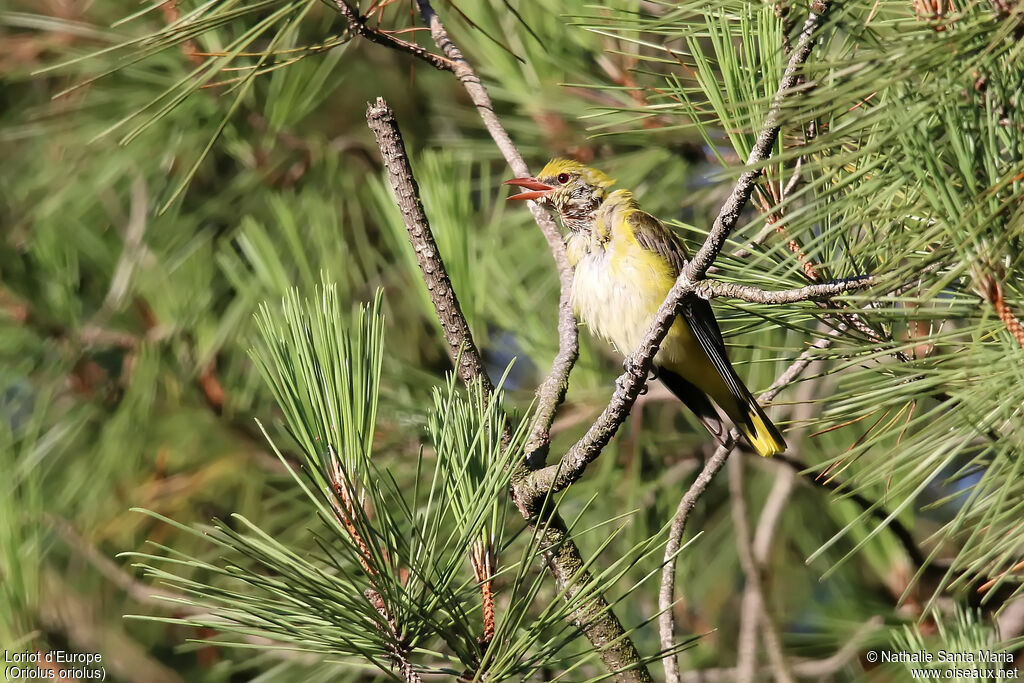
<point x="618" y="287"/>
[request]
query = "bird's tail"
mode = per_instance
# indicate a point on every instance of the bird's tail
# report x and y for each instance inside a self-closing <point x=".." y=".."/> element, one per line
<point x="737" y="401"/>
<point x="758" y="429"/>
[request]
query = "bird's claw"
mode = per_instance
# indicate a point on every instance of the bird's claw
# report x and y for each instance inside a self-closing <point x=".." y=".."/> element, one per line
<point x="629" y="366"/>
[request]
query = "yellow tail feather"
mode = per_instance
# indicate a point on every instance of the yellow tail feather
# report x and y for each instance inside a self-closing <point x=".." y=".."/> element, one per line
<point x="760" y="432"/>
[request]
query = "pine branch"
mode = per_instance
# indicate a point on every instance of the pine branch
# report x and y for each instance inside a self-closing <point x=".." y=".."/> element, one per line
<point x="993" y="292"/>
<point x="708" y="289"/>
<point x="357" y="24"/>
<point x="753" y="605"/>
<point x="407" y="195"/>
<point x="666" y="595"/>
<point x="812" y="669"/>
<point x="630" y="384"/>
<point x="595" y="618"/>
<point x="551" y="392"/>
<point x="399" y="653"/>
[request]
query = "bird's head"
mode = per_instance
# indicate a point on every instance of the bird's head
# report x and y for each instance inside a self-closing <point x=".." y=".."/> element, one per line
<point x="573" y="190"/>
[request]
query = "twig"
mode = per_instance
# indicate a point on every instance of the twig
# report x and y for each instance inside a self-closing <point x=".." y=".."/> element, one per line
<point x="482" y="558"/>
<point x="358" y="25"/>
<point x="407" y="196"/>
<point x="993" y="291"/>
<point x="629" y="385"/>
<point x="398" y="652"/>
<point x="708" y="289"/>
<point x="666" y="595"/>
<point x="752" y="602"/>
<point x="132" y="254"/>
<point x="595" y="617"/>
<point x="753" y="551"/>
<point x="816" y="669"/>
<point x="551" y="391"/>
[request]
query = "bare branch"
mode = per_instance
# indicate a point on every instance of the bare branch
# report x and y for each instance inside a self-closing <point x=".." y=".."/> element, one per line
<point x="629" y="385"/>
<point x="594" y="617"/>
<point x="815" y="669"/>
<point x="751" y="611"/>
<point x="357" y="25"/>
<point x="407" y="196"/>
<point x="551" y="392"/>
<point x="753" y="550"/>
<point x="708" y="289"/>
<point x="666" y="595"/>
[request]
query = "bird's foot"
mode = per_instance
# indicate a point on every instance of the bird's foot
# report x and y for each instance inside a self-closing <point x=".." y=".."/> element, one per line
<point x="629" y="366"/>
<point x="620" y="385"/>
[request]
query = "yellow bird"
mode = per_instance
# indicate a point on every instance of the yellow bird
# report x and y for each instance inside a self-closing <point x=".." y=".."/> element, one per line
<point x="624" y="263"/>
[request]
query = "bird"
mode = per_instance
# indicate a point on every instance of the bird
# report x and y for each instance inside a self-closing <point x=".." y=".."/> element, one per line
<point x="624" y="263"/>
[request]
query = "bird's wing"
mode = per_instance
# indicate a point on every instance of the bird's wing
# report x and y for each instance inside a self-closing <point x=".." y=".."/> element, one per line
<point x="651" y="234"/>
<point x="696" y="400"/>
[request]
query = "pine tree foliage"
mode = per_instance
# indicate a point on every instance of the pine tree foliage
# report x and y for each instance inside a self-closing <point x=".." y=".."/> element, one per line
<point x="388" y="581"/>
<point x="965" y="645"/>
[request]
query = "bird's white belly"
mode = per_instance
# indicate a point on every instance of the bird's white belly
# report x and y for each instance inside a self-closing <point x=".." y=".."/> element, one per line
<point x="609" y="301"/>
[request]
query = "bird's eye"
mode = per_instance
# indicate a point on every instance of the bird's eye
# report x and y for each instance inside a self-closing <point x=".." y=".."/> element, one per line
<point x="563" y="178"/>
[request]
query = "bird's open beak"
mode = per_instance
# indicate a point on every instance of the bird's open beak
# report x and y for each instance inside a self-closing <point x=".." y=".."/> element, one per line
<point x="535" y="188"/>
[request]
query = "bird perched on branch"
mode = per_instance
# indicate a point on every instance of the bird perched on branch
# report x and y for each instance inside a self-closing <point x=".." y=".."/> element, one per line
<point x="624" y="263"/>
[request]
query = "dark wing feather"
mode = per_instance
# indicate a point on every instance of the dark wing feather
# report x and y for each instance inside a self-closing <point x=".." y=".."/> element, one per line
<point x="697" y="401"/>
<point x="651" y="234"/>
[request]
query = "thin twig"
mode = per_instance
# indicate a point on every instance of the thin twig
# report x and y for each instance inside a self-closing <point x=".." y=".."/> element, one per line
<point x="815" y="669"/>
<point x="993" y="291"/>
<point x="666" y="595"/>
<point x="751" y="602"/>
<point x="629" y="385"/>
<point x="551" y="391"/>
<point x="132" y="254"/>
<point x="358" y="25"/>
<point x="708" y="289"/>
<point x="753" y="550"/>
<point x="594" y="617"/>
